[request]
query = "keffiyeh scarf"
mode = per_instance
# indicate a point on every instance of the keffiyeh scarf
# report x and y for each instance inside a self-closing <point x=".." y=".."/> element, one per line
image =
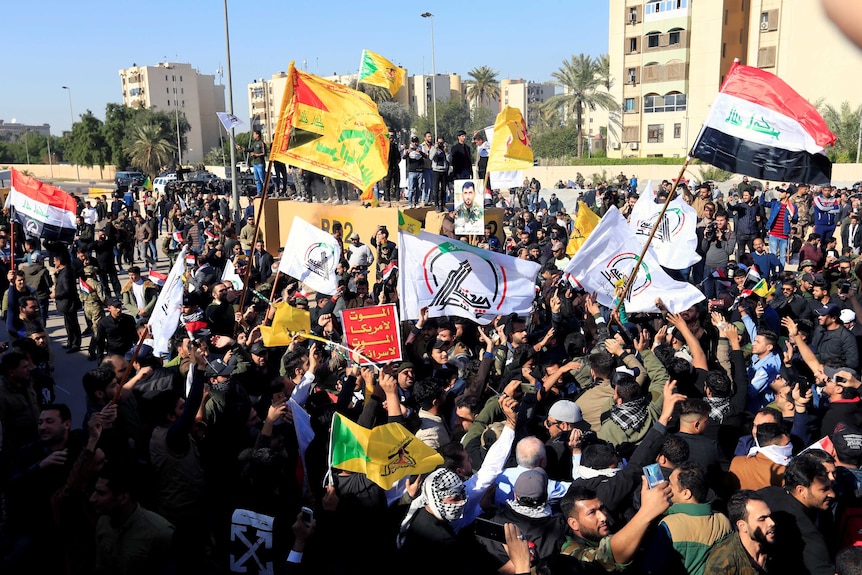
<point x="630" y="415"/>
<point x="718" y="407"/>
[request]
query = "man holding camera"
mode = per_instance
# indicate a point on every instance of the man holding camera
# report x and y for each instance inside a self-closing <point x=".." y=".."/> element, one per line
<point x="717" y="245"/>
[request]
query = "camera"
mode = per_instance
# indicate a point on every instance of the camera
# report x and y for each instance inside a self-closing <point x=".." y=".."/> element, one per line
<point x="711" y="231"/>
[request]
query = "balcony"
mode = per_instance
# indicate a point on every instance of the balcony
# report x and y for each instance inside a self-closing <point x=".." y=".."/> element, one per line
<point x="664" y="73"/>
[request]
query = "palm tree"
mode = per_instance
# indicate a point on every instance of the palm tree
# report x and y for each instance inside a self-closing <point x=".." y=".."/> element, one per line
<point x="149" y="149"/>
<point x="378" y="94"/>
<point x="604" y="65"/>
<point x="581" y="80"/>
<point x="483" y="86"/>
<point x="844" y="123"/>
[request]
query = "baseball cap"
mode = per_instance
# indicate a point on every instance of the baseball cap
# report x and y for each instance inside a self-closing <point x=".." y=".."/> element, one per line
<point x="820" y="281"/>
<point x="219" y="368"/>
<point x="808" y="278"/>
<point x="404" y="366"/>
<point x="257" y="348"/>
<point x="566" y="411"/>
<point x="145" y="352"/>
<point x="557" y="245"/>
<point x="832" y="309"/>
<point x="353" y="236"/>
<point x="831" y="371"/>
<point x="847" y="441"/>
<point x="533" y="485"/>
<point x="190" y="299"/>
<point x="114" y="302"/>
<point x="847" y="315"/>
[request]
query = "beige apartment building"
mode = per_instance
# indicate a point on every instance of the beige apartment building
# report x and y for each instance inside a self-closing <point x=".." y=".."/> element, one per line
<point x="177" y="87"/>
<point x="670" y="58"/>
<point x="526" y="96"/>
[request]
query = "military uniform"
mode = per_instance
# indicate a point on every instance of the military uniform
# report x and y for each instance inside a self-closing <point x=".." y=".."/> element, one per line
<point x="803" y="211"/>
<point x="596" y="554"/>
<point x="94" y="302"/>
<point x="729" y="557"/>
<point x="469" y="216"/>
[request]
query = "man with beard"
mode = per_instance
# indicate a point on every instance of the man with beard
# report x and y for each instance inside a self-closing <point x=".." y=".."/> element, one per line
<point x="800" y="546"/>
<point x="746" y="552"/>
<point x="220" y="314"/>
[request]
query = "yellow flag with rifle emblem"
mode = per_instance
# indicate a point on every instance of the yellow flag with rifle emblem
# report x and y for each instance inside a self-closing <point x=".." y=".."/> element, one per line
<point x="378" y="71"/>
<point x="585" y="222"/>
<point x="331" y="130"/>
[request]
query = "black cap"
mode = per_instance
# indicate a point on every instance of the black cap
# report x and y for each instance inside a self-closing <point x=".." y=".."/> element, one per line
<point x="114" y="302"/>
<point x="257" y="348"/>
<point x="191" y="299"/>
<point x="219" y="368"/>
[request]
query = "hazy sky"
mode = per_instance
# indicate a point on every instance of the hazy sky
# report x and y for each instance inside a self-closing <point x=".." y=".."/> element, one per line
<point x="83" y="45"/>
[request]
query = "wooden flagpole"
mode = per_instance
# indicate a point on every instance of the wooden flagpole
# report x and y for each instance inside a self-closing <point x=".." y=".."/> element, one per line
<point x="258" y="218"/>
<point x="635" y="270"/>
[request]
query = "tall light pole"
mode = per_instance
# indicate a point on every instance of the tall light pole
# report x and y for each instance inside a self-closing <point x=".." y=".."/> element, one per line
<point x="430" y="16"/>
<point x="72" y="117"/>
<point x="233" y="183"/>
<point x="50" y="159"/>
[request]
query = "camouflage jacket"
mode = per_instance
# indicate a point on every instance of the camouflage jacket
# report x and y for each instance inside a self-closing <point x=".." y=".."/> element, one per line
<point x="594" y="553"/>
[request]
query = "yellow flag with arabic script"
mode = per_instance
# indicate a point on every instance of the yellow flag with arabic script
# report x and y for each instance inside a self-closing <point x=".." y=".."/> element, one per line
<point x="378" y="71"/>
<point x="511" y="148"/>
<point x="408" y="224"/>
<point x="585" y="222"/>
<point x="288" y="321"/>
<point x="331" y="130"/>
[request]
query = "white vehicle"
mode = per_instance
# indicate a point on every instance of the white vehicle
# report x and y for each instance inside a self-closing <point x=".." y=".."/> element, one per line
<point x="160" y="183"/>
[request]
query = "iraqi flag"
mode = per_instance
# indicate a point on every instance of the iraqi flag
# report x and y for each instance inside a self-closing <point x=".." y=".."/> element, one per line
<point x="44" y="211"/>
<point x="158" y="278"/>
<point x="84" y="287"/>
<point x="759" y="126"/>
<point x="211" y="235"/>
<point x="178" y="237"/>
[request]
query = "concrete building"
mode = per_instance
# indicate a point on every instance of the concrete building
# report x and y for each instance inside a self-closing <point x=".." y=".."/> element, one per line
<point x="172" y="87"/>
<point x="14" y="130"/>
<point x="526" y="96"/>
<point x="672" y="55"/>
<point x="420" y="98"/>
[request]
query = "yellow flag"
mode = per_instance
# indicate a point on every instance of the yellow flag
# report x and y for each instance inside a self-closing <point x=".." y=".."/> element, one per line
<point x="408" y="224"/>
<point x="585" y="222"/>
<point x="511" y="148"/>
<point x="331" y="130"/>
<point x="378" y="71"/>
<point x="288" y="321"/>
<point x="384" y="454"/>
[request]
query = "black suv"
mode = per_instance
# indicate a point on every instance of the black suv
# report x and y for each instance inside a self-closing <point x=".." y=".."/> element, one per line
<point x="125" y="179"/>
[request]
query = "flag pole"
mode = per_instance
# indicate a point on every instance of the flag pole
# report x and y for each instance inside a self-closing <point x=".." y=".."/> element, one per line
<point x="253" y="242"/>
<point x="11" y="235"/>
<point x="631" y="278"/>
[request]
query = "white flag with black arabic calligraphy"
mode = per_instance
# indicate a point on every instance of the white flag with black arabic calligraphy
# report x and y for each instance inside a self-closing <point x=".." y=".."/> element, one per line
<point x="675" y="241"/>
<point x="454" y="278"/>
<point x="310" y="255"/>
<point x="607" y="259"/>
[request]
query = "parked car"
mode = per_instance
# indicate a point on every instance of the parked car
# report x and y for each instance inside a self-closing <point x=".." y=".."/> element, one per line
<point x="160" y="183"/>
<point x="125" y="179"/>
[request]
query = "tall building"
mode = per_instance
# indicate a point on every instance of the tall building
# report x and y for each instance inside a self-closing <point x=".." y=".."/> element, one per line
<point x="177" y="87"/>
<point x="421" y="92"/>
<point x="670" y="58"/>
<point x="526" y="96"/>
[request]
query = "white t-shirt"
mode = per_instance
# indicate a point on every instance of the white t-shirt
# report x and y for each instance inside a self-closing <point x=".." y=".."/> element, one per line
<point x="138" y="292"/>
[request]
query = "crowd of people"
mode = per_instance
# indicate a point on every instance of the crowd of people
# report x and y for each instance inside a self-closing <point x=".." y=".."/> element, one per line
<point x="726" y="438"/>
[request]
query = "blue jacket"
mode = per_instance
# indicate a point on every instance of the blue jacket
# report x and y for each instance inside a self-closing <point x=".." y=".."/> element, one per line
<point x="774" y="208"/>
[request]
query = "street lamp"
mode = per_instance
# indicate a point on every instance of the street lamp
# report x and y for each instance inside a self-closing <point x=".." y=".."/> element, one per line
<point x="233" y="181"/>
<point x="433" y="70"/>
<point x="72" y="117"/>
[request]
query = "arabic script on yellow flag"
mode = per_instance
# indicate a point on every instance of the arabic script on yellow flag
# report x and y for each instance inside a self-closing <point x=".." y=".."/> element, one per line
<point x="331" y="130"/>
<point x="511" y="148"/>
<point x="288" y="321"/>
<point x="585" y="222"/>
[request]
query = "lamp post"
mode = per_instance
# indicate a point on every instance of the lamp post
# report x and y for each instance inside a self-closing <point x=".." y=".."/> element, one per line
<point x="233" y="182"/>
<point x="430" y="16"/>
<point x="72" y="117"/>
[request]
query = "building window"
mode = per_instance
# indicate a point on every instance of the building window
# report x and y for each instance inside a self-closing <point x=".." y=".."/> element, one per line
<point x="629" y="105"/>
<point x="673" y="37"/>
<point x="633" y="45"/>
<point x="766" y="57"/>
<point x="669" y="103"/>
<point x="181" y="78"/>
<point x="655" y="133"/>
<point x="677" y="131"/>
<point x="769" y="21"/>
<point x="173" y="78"/>
<point x="166" y="77"/>
<point x="633" y="14"/>
<point x="168" y="90"/>
<point x="652" y="40"/>
<point x="632" y="75"/>
<point x="724" y="49"/>
<point x="257" y="92"/>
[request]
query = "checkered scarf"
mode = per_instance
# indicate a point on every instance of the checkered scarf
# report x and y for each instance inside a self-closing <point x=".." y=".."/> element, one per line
<point x="718" y="407"/>
<point x="630" y="415"/>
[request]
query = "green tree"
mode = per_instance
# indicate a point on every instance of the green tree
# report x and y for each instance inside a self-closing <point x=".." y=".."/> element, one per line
<point x="378" y="94"/>
<point x="483" y="87"/>
<point x="559" y="143"/>
<point x="150" y="149"/>
<point x="483" y="117"/>
<point x="396" y="116"/>
<point x="452" y="115"/>
<point x="87" y="145"/>
<point x="603" y="64"/>
<point x="844" y="123"/>
<point x="581" y="81"/>
<point x="122" y="122"/>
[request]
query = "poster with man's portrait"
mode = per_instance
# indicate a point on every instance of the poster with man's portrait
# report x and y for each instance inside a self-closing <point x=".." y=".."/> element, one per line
<point x="469" y="208"/>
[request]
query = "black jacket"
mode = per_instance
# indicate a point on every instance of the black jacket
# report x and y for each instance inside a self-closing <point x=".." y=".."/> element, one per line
<point x="799" y="546"/>
<point x="115" y="335"/>
<point x="66" y="291"/>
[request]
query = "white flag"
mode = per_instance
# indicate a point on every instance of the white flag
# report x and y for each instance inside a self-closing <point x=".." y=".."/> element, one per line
<point x="609" y="256"/>
<point x="675" y="240"/>
<point x="229" y="121"/>
<point x="454" y="278"/>
<point x="229" y="275"/>
<point x="310" y="255"/>
<point x="166" y="314"/>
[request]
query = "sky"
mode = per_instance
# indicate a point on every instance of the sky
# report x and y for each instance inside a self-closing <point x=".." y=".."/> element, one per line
<point x="84" y="44"/>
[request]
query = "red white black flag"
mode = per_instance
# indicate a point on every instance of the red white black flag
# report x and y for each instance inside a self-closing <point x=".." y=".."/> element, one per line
<point x="760" y="127"/>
